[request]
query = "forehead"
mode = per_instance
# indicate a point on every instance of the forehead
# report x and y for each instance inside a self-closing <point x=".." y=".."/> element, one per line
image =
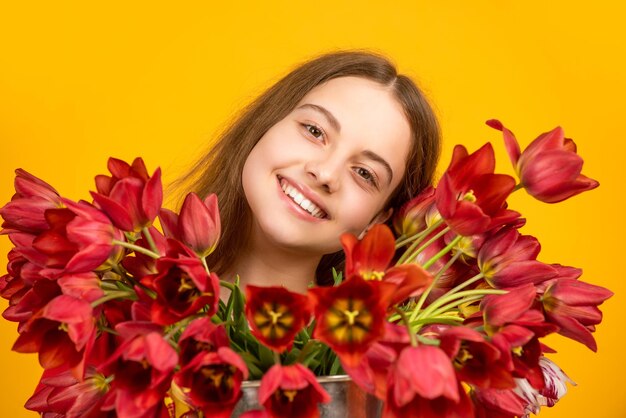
<point x="370" y="116"/>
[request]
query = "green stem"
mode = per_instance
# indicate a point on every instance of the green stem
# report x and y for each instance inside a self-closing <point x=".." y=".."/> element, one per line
<point x="424" y="295"/>
<point x="464" y="284"/>
<point x="414" y="255"/>
<point x="136" y="248"/>
<point x="149" y="239"/>
<point x="206" y="266"/>
<point x="441" y="253"/>
<point x="179" y="325"/>
<point x="276" y="357"/>
<point x="111" y="296"/>
<point x="407" y="323"/>
<point x="108" y="285"/>
<point x="517" y="187"/>
<point x="455" y="303"/>
<point x="446" y="299"/>
<point x="419" y="238"/>
<point x="440" y="319"/>
<point x="227" y="285"/>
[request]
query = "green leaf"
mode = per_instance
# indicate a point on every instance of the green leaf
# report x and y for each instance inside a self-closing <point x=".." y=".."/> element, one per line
<point x="337" y="277"/>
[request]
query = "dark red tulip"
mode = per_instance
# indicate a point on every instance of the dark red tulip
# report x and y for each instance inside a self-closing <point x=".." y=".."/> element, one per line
<point x="276" y="315"/>
<point x="351" y="317"/>
<point x="475" y="360"/>
<point x="183" y="287"/>
<point x="289" y="391"/>
<point x="201" y="335"/>
<point x="212" y="381"/>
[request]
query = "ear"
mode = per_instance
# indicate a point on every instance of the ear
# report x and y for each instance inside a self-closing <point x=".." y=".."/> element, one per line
<point x="382" y="217"/>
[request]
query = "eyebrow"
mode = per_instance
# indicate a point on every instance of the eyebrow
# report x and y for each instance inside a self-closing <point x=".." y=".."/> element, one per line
<point x="331" y="118"/>
<point x="375" y="157"/>
<point x="337" y="126"/>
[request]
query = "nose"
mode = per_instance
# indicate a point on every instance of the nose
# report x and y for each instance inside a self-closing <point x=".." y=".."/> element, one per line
<point x="324" y="173"/>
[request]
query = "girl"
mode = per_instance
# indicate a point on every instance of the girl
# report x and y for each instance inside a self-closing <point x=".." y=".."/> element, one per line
<point x="335" y="146"/>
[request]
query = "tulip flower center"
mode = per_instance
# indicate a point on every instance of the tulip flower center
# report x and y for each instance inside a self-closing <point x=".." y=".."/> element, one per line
<point x="289" y="394"/>
<point x="468" y="196"/>
<point x="462" y="357"/>
<point x="274" y="320"/>
<point x="373" y="275"/>
<point x="185" y="284"/>
<point x="349" y="319"/>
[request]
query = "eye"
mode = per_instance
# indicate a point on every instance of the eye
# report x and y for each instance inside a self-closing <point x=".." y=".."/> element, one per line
<point x="366" y="175"/>
<point x="314" y="130"/>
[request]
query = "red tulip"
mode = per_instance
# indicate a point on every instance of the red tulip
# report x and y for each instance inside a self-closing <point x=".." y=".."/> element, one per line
<point x="497" y="403"/>
<point x="79" y="239"/>
<point x="351" y="317"/>
<point x="470" y="197"/>
<point x="422" y="383"/>
<point x="213" y="381"/>
<point x="183" y="287"/>
<point x="476" y="361"/>
<point x="63" y="394"/>
<point x="59" y="333"/>
<point x="198" y="225"/>
<point x="142" y="366"/>
<point x="549" y="168"/>
<point x="130" y="197"/>
<point x="370" y="374"/>
<point x="25" y="211"/>
<point x="508" y="259"/>
<point x="573" y="306"/>
<point x="201" y="335"/>
<point x="276" y="315"/>
<point x="370" y="257"/>
<point x="289" y="391"/>
<point x="414" y="215"/>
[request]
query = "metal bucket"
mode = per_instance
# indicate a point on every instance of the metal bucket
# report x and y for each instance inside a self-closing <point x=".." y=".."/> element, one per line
<point x="348" y="400"/>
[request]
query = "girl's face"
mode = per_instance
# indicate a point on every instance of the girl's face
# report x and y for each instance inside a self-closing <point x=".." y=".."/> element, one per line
<point x="328" y="167"/>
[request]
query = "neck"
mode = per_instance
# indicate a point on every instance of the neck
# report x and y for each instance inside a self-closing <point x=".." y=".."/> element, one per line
<point x="266" y="265"/>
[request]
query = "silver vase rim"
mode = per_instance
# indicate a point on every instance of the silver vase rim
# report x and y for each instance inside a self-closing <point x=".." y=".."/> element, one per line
<point x="320" y="379"/>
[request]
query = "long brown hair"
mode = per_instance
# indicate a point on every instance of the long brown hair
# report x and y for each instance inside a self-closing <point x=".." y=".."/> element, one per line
<point x="219" y="171"/>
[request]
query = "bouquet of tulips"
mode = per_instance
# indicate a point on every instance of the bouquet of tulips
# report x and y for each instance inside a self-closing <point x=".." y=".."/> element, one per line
<point x="442" y="319"/>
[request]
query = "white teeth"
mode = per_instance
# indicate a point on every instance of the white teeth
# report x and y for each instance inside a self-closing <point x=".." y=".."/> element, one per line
<point x="302" y="201"/>
<point x="307" y="205"/>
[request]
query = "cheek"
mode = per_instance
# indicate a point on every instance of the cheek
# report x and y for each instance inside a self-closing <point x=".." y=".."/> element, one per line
<point x="357" y="212"/>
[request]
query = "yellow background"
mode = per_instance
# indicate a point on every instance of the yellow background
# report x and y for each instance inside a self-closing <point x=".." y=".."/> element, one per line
<point x="80" y="82"/>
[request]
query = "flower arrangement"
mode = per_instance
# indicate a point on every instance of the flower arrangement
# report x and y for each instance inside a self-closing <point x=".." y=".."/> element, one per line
<point x="444" y="319"/>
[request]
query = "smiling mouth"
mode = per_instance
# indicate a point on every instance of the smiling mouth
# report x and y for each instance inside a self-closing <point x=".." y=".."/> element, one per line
<point x="299" y="199"/>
